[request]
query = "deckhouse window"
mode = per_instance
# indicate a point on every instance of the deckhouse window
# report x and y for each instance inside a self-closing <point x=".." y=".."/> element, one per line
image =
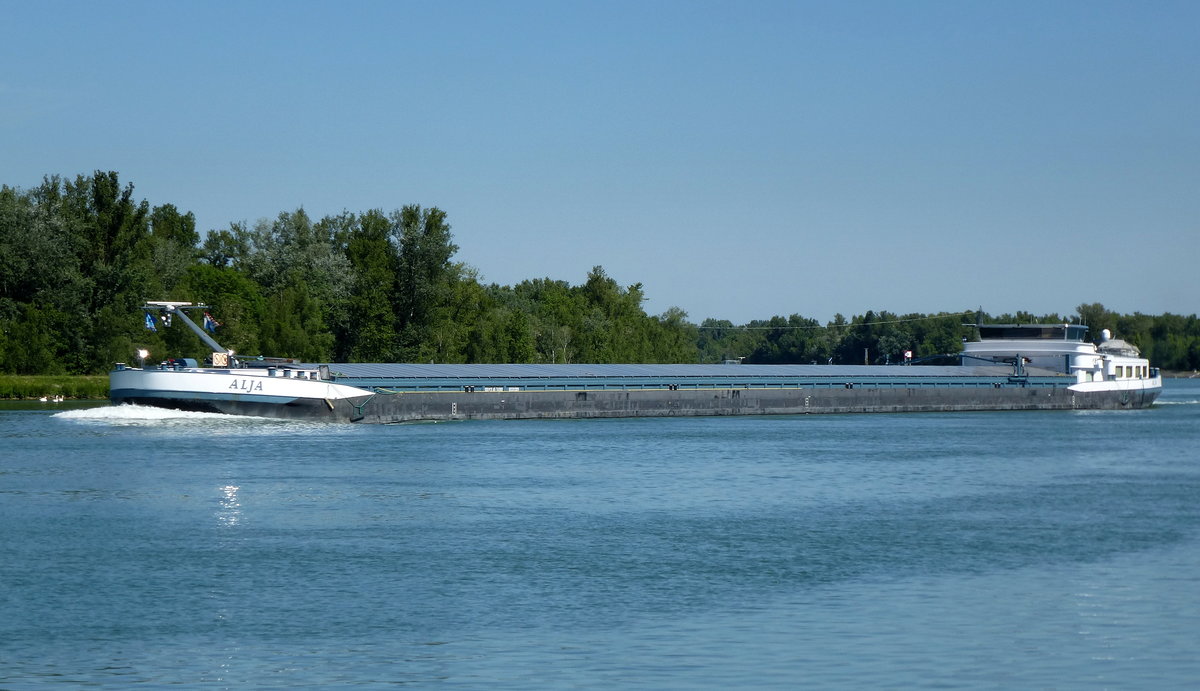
<point x="1025" y="332"/>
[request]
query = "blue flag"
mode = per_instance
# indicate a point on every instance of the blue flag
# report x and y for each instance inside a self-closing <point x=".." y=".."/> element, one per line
<point x="150" y="322"/>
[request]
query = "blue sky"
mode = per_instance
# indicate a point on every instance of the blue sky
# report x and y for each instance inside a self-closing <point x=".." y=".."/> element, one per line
<point x="739" y="159"/>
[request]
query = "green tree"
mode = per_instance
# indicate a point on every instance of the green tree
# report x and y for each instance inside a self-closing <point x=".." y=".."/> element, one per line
<point x="674" y="338"/>
<point x="1096" y="318"/>
<point x="173" y="248"/>
<point x="371" y="331"/>
<point x="224" y="248"/>
<point x="27" y="344"/>
<point x="423" y="273"/>
<point x="111" y="230"/>
<point x="293" y="326"/>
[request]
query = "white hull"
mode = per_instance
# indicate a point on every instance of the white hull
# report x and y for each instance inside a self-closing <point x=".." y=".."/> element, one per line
<point x="237" y="391"/>
<point x="1131" y="385"/>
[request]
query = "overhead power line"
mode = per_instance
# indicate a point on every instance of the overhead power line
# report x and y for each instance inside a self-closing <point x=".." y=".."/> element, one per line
<point x="835" y="326"/>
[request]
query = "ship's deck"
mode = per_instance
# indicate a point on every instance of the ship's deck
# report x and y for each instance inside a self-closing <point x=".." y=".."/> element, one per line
<point x="544" y="377"/>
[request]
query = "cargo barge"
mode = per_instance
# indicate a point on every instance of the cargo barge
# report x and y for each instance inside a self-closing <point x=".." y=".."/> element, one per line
<point x="1021" y="367"/>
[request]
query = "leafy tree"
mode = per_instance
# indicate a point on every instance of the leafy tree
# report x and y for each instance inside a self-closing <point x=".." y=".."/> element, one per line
<point x="370" y="335"/>
<point x="27" y="344"/>
<point x="173" y="248"/>
<point x="293" y="325"/>
<point x="168" y="225"/>
<point x="423" y="273"/>
<point x="300" y="267"/>
<point x="224" y="248"/>
<point x="1096" y="317"/>
<point x="111" y="231"/>
<point x="674" y="337"/>
<point x="518" y="338"/>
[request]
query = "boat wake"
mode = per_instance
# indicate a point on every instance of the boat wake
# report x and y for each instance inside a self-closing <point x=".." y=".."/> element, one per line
<point x="152" y="419"/>
<point x="139" y="414"/>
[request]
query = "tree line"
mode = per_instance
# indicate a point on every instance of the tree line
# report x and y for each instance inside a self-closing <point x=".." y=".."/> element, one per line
<point x="78" y="258"/>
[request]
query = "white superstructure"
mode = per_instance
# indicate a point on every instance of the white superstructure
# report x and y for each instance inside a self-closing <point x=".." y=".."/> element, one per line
<point x="1114" y="365"/>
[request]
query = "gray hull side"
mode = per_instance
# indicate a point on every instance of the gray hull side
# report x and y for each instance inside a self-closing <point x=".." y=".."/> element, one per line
<point x="518" y="405"/>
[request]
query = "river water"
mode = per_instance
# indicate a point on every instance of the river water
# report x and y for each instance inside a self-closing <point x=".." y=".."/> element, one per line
<point x="1016" y="549"/>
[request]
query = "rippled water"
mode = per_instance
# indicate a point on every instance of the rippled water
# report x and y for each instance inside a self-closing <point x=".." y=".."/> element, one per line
<point x="980" y="549"/>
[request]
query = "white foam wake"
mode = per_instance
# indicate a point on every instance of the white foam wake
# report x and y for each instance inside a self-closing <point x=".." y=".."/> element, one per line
<point x="149" y="419"/>
<point x="138" y="413"/>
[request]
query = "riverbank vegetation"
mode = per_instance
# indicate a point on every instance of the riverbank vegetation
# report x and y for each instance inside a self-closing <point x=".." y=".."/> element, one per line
<point x="50" y="387"/>
<point x="79" y="257"/>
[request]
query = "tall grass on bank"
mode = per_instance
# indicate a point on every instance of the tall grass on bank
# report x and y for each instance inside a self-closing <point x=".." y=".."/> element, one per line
<point x="36" y="386"/>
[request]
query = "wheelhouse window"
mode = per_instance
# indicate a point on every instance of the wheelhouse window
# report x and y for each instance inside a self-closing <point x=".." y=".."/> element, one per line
<point x="1055" y="332"/>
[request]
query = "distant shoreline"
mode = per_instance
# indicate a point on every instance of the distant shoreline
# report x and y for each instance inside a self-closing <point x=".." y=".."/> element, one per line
<point x="1179" y="374"/>
<point x="71" y="387"/>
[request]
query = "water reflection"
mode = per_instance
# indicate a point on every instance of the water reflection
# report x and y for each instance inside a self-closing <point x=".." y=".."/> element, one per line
<point x="230" y="511"/>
